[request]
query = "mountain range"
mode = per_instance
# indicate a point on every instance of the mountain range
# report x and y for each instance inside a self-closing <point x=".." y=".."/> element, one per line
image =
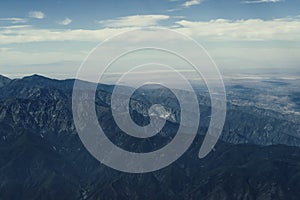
<point x="42" y="157"/>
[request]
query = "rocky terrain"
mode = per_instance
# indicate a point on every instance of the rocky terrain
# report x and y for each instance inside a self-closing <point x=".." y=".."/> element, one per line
<point x="43" y="158"/>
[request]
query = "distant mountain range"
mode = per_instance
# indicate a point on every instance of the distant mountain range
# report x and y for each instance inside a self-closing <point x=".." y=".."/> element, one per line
<point x="43" y="158"/>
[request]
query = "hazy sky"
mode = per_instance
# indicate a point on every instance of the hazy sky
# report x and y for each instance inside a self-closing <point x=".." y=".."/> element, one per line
<point x="53" y="37"/>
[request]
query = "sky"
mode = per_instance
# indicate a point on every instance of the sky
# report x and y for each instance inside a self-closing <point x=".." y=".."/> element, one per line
<point x="53" y="38"/>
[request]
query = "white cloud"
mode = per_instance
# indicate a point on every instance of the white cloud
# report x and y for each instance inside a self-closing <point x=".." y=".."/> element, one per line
<point x="263" y="1"/>
<point x="65" y="22"/>
<point x="192" y="3"/>
<point x="36" y="14"/>
<point x="284" y="29"/>
<point x="249" y="56"/>
<point x="218" y="34"/>
<point x="134" y="21"/>
<point x="178" y="17"/>
<point x="186" y="4"/>
<point x="11" y="57"/>
<point x="287" y="29"/>
<point x="173" y="9"/>
<point x="14" y="27"/>
<point x="14" y="20"/>
<point x="28" y="34"/>
<point x="5" y="49"/>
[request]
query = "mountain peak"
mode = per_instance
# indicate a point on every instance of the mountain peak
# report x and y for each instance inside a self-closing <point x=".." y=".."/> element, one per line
<point x="35" y="77"/>
<point x="4" y="80"/>
<point x="4" y="77"/>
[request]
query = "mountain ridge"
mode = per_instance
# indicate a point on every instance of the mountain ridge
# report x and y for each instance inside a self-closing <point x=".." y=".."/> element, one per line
<point x="42" y="156"/>
<point x="262" y="127"/>
<point x="4" y="80"/>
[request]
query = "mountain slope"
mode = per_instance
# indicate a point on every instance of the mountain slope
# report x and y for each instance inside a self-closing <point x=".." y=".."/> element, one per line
<point x="42" y="156"/>
<point x="32" y="169"/>
<point x="46" y="104"/>
<point x="4" y="80"/>
<point x="35" y="169"/>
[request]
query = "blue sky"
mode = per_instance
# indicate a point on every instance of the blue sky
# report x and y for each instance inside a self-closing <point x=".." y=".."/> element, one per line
<point x="53" y="37"/>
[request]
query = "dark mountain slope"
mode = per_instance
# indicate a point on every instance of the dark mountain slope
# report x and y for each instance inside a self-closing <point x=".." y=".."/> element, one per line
<point x="4" y="80"/>
<point x="231" y="172"/>
<point x="47" y="103"/>
<point x="43" y="158"/>
<point x="35" y="169"/>
<point x="32" y="169"/>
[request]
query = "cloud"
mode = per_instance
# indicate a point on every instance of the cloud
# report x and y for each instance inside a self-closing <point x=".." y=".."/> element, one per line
<point x="14" y="27"/>
<point x="5" y="49"/>
<point x="36" y="14"/>
<point x="226" y="40"/>
<point x="173" y="9"/>
<point x="134" y="21"/>
<point x="283" y="29"/>
<point x="65" y="22"/>
<point x="15" y="57"/>
<point x="192" y="3"/>
<point x="287" y="29"/>
<point x="14" y="20"/>
<point x="29" y="34"/>
<point x="263" y="1"/>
